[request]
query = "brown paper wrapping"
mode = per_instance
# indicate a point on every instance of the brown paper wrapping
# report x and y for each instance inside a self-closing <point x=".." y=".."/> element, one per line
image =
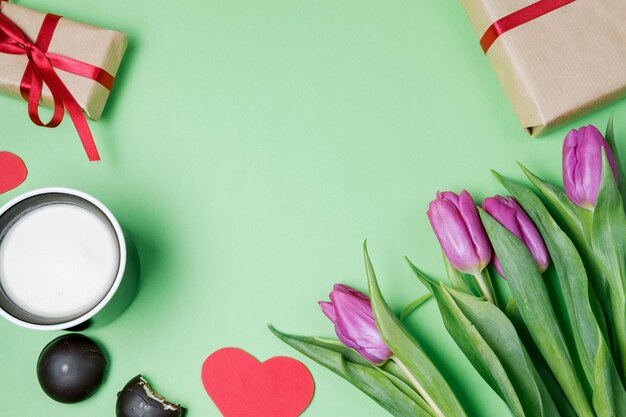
<point x="560" y="65"/>
<point x="93" y="45"/>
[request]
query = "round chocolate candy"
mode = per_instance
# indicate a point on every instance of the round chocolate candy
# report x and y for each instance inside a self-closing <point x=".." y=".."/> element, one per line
<point x="71" y="368"/>
<point x="138" y="399"/>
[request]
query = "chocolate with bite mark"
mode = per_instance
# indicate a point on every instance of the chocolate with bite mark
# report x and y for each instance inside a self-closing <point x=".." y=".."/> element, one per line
<point x="71" y="368"/>
<point x="138" y="399"/>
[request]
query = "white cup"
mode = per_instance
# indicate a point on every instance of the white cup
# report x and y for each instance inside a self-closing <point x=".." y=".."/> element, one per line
<point x="63" y="261"/>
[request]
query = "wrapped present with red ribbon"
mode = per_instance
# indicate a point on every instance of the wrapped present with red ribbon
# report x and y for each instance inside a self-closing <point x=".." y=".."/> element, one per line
<point x="556" y="59"/>
<point x="56" y="62"/>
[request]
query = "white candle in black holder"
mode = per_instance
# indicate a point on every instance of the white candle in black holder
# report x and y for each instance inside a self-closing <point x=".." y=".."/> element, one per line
<point x="63" y="258"/>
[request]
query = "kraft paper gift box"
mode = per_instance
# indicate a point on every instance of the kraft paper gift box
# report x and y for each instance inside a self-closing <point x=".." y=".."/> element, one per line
<point x="556" y="59"/>
<point x="98" y="47"/>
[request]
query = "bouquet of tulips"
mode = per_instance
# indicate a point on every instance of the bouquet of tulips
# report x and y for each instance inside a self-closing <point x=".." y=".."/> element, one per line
<point x="553" y="345"/>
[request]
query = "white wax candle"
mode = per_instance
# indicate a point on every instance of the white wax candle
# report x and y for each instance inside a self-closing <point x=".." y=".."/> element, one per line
<point x="58" y="261"/>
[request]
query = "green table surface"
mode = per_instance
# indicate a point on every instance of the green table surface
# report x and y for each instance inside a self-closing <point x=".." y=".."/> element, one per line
<point x="250" y="147"/>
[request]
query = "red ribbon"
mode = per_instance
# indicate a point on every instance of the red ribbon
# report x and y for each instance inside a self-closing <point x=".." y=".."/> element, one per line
<point x="41" y="70"/>
<point x="519" y="18"/>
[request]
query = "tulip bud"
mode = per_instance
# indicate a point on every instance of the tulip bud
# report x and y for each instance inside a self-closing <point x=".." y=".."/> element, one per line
<point x="351" y="313"/>
<point x="582" y="165"/>
<point x="460" y="232"/>
<point x="510" y="215"/>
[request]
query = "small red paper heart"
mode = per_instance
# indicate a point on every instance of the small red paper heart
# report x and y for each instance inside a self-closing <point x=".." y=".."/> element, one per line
<point x="12" y="171"/>
<point x="241" y="386"/>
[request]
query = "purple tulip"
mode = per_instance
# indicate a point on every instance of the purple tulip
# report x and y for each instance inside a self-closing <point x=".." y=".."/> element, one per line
<point x="510" y="215"/>
<point x="351" y="313"/>
<point x="460" y="232"/>
<point x="582" y="165"/>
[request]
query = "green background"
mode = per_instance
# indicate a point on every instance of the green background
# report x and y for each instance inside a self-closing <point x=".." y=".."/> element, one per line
<point x="250" y="147"/>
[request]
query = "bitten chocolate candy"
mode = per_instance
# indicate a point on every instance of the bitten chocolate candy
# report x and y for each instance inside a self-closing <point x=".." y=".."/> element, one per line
<point x="138" y="399"/>
<point x="71" y="368"/>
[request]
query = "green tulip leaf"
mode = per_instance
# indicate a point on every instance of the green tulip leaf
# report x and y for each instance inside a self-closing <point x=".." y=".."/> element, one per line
<point x="610" y="138"/>
<point x="414" y="305"/>
<point x="609" y="245"/>
<point x="533" y="301"/>
<point x="378" y="384"/>
<point x="500" y="334"/>
<point x="404" y="386"/>
<point x="573" y="215"/>
<point x="385" y="392"/>
<point x="574" y="285"/>
<point x="350" y="355"/>
<point x="552" y="385"/>
<point x="489" y="341"/>
<point x="578" y="223"/>
<point x="603" y="402"/>
<point x="432" y="385"/>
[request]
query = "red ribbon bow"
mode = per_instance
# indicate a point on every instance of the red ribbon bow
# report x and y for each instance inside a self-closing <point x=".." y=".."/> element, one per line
<point x="41" y="70"/>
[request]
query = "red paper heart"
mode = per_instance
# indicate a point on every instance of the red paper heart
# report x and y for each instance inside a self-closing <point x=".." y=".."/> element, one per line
<point x="12" y="171"/>
<point x="241" y="386"/>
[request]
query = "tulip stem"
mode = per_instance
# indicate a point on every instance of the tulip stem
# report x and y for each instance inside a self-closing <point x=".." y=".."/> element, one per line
<point x="587" y="223"/>
<point x="418" y="387"/>
<point x="483" y="279"/>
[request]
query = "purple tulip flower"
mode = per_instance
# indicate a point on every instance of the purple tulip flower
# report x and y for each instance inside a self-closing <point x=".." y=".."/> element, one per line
<point x="460" y="232"/>
<point x="510" y="215"/>
<point x="351" y="313"/>
<point x="582" y="165"/>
